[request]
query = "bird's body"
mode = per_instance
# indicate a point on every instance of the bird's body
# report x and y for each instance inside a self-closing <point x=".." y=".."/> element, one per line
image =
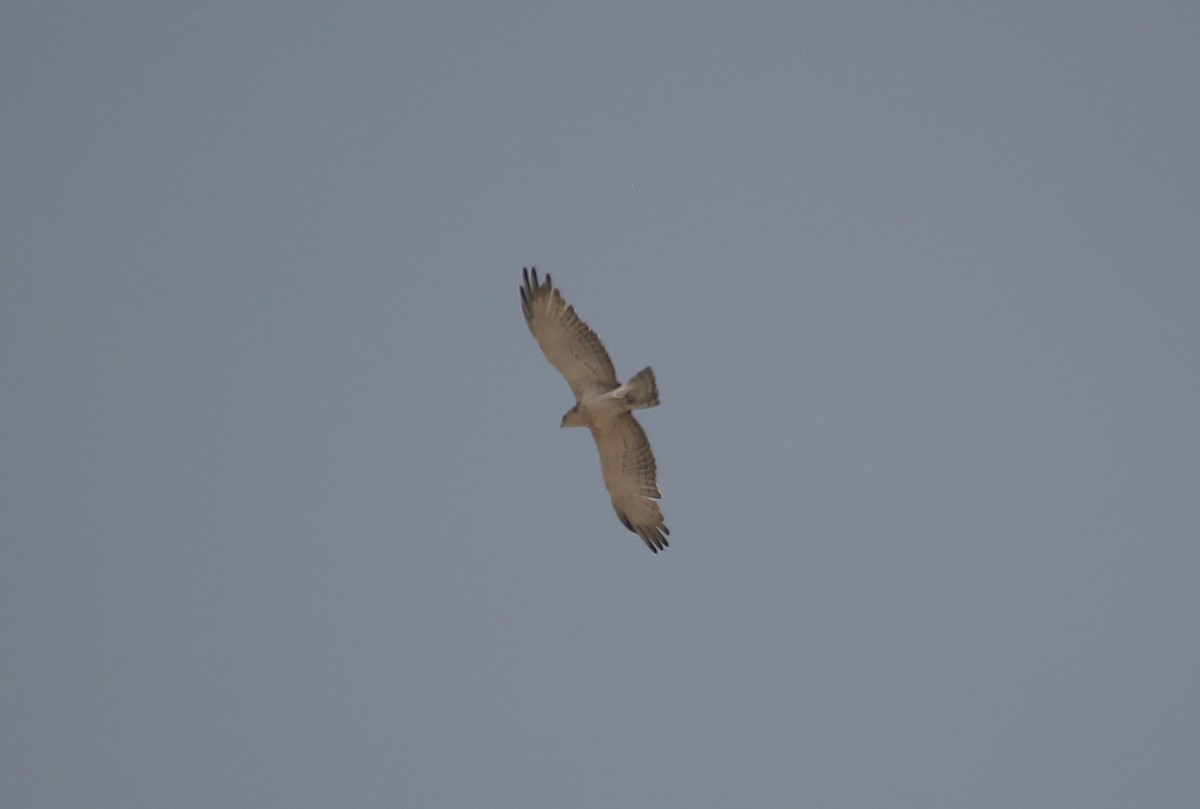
<point x="602" y="409"/>
<point x="603" y="405"/>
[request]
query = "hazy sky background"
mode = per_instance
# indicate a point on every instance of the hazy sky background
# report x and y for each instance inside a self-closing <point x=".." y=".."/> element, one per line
<point x="287" y="517"/>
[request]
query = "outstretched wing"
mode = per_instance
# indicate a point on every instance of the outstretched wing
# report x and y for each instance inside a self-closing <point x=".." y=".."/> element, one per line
<point x="572" y="347"/>
<point x="627" y="464"/>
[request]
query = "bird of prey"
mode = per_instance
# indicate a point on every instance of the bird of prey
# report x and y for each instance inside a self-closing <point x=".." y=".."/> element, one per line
<point x="603" y="405"/>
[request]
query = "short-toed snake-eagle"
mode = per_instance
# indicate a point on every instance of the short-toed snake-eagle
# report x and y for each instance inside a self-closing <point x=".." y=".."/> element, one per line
<point x="603" y="405"/>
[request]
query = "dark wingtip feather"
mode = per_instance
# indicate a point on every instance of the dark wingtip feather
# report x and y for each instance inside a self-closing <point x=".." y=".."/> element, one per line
<point x="655" y="536"/>
<point x="532" y="287"/>
<point x="527" y="290"/>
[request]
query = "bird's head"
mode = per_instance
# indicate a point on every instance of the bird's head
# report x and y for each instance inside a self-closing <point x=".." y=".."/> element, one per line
<point x="573" y="418"/>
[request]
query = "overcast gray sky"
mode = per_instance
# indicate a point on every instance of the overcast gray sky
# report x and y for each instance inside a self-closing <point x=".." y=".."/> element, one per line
<point x="287" y="517"/>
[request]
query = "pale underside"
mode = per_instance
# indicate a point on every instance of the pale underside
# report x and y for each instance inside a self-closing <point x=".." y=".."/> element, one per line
<point x="603" y="405"/>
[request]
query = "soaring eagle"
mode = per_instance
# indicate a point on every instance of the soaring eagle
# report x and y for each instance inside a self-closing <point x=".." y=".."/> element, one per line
<point x="603" y="405"/>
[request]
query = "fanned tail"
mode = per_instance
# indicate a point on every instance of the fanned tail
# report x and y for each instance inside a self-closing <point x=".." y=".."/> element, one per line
<point x="641" y="391"/>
